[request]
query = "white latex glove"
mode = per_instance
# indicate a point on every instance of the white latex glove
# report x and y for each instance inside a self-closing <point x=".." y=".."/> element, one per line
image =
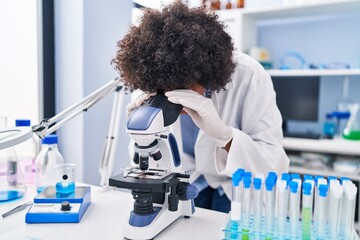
<point x="203" y="113"/>
<point x="138" y="102"/>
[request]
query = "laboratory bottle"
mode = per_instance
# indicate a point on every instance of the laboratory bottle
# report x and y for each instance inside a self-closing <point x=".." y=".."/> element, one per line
<point x="352" y="129"/>
<point x="341" y="122"/>
<point x="46" y="161"/>
<point x="12" y="185"/>
<point x="26" y="153"/>
<point x="329" y="126"/>
<point x="228" y="5"/>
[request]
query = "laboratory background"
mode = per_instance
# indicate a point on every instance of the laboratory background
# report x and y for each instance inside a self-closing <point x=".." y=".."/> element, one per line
<point x="54" y="53"/>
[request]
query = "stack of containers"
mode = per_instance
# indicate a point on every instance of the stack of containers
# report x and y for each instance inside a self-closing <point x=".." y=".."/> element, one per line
<point x="291" y="207"/>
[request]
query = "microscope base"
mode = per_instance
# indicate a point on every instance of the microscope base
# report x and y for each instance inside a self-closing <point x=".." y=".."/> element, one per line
<point x="162" y="220"/>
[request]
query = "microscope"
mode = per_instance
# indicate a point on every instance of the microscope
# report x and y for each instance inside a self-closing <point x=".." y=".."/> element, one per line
<point x="157" y="181"/>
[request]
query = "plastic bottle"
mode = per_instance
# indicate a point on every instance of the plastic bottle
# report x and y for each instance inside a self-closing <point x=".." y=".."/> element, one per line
<point x="46" y="162"/>
<point x="329" y="126"/>
<point x="26" y="153"/>
<point x="341" y="122"/>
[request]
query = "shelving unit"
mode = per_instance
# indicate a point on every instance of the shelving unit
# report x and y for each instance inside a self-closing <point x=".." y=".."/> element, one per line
<point x="239" y="21"/>
<point x="337" y="146"/>
<point x="315" y="72"/>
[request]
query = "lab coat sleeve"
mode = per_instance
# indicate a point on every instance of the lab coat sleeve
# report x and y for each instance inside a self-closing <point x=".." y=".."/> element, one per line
<point x="257" y="147"/>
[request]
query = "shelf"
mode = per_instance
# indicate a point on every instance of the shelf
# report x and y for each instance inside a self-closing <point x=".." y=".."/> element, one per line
<point x="300" y="10"/>
<point x="325" y="173"/>
<point x="338" y="146"/>
<point x="315" y="72"/>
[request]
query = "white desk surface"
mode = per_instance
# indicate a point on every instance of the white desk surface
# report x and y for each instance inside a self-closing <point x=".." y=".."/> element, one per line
<point x="104" y="219"/>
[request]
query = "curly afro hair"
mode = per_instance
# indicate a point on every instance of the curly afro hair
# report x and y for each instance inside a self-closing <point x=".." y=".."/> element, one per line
<point x="175" y="49"/>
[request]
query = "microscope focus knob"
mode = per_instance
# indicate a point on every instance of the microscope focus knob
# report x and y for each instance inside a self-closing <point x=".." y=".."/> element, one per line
<point x="136" y="158"/>
<point x="65" y="206"/>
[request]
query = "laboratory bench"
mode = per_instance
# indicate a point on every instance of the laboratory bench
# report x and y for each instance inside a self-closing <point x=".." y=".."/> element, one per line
<point x="104" y="219"/>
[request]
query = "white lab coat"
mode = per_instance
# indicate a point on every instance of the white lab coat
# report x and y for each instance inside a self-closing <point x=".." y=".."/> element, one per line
<point x="248" y="105"/>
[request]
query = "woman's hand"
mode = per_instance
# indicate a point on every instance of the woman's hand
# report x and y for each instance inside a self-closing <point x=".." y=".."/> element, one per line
<point x="203" y="113"/>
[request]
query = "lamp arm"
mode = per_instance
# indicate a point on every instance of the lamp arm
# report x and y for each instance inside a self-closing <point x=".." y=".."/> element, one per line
<point x="49" y="125"/>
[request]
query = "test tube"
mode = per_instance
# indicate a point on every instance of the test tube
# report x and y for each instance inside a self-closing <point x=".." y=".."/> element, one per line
<point x="232" y="226"/>
<point x="318" y="182"/>
<point x="294" y="209"/>
<point x="336" y="192"/>
<point x="246" y="213"/>
<point x="269" y="206"/>
<point x="320" y="221"/>
<point x="307" y="204"/>
<point x="349" y="210"/>
<point x="282" y="203"/>
<point x="258" y="204"/>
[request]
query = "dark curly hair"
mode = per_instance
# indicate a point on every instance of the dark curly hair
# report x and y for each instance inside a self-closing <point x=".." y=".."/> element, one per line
<point x="174" y="49"/>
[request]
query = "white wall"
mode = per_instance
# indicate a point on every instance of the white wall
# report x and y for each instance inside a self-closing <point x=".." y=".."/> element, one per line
<point x="86" y="33"/>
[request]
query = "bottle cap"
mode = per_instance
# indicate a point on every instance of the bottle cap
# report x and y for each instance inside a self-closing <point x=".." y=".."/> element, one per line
<point x="293" y="187"/>
<point x="269" y="183"/>
<point x="307" y="188"/>
<point x="308" y="177"/>
<point x="50" y="139"/>
<point x="341" y="115"/>
<point x="247" y="181"/>
<point x="22" y="123"/>
<point x="236" y="179"/>
<point x="257" y="183"/>
<point x="323" y="190"/>
<point x="295" y="176"/>
<point x="329" y="115"/>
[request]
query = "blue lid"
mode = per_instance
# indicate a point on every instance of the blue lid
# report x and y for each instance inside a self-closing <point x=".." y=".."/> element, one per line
<point x="240" y="171"/>
<point x="247" y="174"/>
<point x="294" y="186"/>
<point x="247" y="181"/>
<point x="257" y="183"/>
<point x="273" y="174"/>
<point x="22" y="123"/>
<point x="307" y="188"/>
<point x="331" y="178"/>
<point x="269" y="183"/>
<point x="344" y="179"/>
<point x="323" y="189"/>
<point x="50" y="139"/>
<point x="295" y="176"/>
<point x="308" y="177"/>
<point x="329" y="115"/>
<point x="235" y="179"/>
<point x="341" y="115"/>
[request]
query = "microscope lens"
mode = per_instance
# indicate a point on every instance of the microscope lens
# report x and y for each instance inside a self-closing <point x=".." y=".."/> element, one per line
<point x="136" y="158"/>
<point x="144" y="163"/>
<point x="157" y="155"/>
